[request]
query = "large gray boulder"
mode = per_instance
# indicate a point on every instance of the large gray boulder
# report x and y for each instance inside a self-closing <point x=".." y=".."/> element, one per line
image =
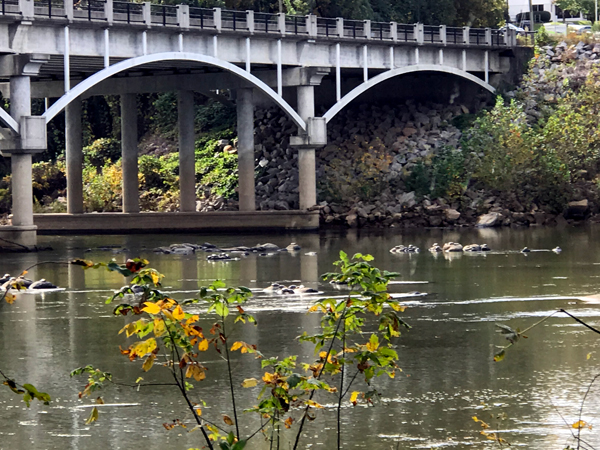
<point x="492" y="219"/>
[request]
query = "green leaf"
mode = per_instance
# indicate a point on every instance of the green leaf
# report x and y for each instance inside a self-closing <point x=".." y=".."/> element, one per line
<point x="221" y="309"/>
<point x="293" y="380"/>
<point x="239" y="445"/>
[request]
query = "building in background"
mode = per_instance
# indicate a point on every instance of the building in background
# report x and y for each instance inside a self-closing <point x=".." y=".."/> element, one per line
<point x="518" y="9"/>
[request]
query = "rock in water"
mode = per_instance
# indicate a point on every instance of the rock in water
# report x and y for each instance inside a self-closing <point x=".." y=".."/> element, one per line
<point x="489" y="220"/>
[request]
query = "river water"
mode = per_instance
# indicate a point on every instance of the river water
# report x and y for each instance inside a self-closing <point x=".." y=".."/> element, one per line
<point x="448" y="375"/>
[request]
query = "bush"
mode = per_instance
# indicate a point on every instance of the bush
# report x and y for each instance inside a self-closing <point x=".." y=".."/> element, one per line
<point x="102" y="151"/>
<point x="216" y="170"/>
<point x="103" y="191"/>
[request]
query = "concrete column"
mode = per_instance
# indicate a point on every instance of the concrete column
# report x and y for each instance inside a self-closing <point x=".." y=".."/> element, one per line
<point x="245" y="126"/>
<point x="22" y="189"/>
<point x="307" y="183"/>
<point x="131" y="198"/>
<point x="74" y="155"/>
<point x="187" y="156"/>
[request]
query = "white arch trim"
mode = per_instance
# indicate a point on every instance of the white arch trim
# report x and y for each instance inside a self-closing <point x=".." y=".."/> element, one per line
<point x="98" y="77"/>
<point x="9" y="121"/>
<point x="364" y="87"/>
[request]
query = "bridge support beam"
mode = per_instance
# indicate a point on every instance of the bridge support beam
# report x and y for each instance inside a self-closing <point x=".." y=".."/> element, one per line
<point x="131" y="198"/>
<point x="187" y="155"/>
<point x="74" y="156"/>
<point x="245" y="126"/>
<point x="307" y="183"/>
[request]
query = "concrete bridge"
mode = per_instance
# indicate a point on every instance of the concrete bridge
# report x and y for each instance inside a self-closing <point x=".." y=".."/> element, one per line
<point x="50" y="49"/>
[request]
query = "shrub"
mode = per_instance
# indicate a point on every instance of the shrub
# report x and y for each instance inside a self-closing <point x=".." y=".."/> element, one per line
<point x="103" y="191"/>
<point x="101" y="151"/>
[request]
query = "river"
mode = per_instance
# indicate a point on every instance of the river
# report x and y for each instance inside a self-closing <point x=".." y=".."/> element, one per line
<point x="448" y="375"/>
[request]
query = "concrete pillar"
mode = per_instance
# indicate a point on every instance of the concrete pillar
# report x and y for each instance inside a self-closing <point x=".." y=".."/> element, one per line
<point x="74" y="155"/>
<point x="187" y="156"/>
<point x="131" y="199"/>
<point x="307" y="184"/>
<point x="245" y="127"/>
<point x="22" y="188"/>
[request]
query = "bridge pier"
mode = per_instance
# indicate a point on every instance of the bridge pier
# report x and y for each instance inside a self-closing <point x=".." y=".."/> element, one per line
<point x="187" y="155"/>
<point x="307" y="181"/>
<point x="245" y="128"/>
<point x="74" y="156"/>
<point x="129" y="149"/>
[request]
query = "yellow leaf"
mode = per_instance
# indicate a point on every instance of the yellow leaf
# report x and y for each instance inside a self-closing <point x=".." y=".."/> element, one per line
<point x="269" y="377"/>
<point x="93" y="416"/>
<point x="155" y="277"/>
<point x="203" y="345"/>
<point x="149" y="362"/>
<point x="373" y="344"/>
<point x="100" y="401"/>
<point x="10" y="298"/>
<point x="589" y="355"/>
<point x="178" y="313"/>
<point x="354" y="397"/>
<point x="159" y="327"/>
<point x="196" y="372"/>
<point x="314" y="404"/>
<point x="227" y="420"/>
<point x="313" y="308"/>
<point x="236" y="346"/>
<point x="578" y="425"/>
<point x="142" y="348"/>
<point x="151" y="308"/>
<point x="249" y="382"/>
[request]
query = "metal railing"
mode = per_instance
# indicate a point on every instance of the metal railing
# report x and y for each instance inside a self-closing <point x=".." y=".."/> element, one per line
<point x="202" y="18"/>
<point x="234" y="20"/>
<point x="150" y="14"/>
<point x="454" y="35"/>
<point x="477" y="36"/>
<point x="128" y="12"/>
<point x="43" y="8"/>
<point x="381" y="31"/>
<point x="297" y="25"/>
<point x="165" y="15"/>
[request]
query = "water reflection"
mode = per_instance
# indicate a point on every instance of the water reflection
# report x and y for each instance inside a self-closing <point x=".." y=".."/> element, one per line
<point x="448" y="374"/>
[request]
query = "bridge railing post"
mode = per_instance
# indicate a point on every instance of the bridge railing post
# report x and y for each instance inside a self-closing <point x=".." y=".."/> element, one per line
<point x="367" y="29"/>
<point x="488" y="36"/>
<point x="26" y="9"/>
<point x="281" y="23"/>
<point x="443" y="38"/>
<point x="419" y="33"/>
<point x="108" y="11"/>
<point x="467" y="35"/>
<point x="394" y="31"/>
<point x="147" y="13"/>
<point x="183" y="16"/>
<point x="250" y="21"/>
<point x="510" y="38"/>
<point x="69" y="11"/>
<point x="217" y="19"/>
<point x="311" y="25"/>
<point x="339" y="26"/>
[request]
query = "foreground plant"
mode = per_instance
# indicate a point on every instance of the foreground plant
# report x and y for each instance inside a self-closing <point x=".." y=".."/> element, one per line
<point x="351" y="347"/>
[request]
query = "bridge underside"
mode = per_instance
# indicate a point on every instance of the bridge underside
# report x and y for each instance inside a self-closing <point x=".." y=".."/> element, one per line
<point x="435" y="73"/>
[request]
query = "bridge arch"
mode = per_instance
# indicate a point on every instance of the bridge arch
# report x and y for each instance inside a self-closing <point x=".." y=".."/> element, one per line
<point x="108" y="72"/>
<point x="364" y="87"/>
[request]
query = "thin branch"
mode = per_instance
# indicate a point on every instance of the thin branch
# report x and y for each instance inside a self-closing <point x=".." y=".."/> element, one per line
<point x="297" y="441"/>
<point x="235" y="417"/>
<point x="581" y="408"/>
<point x="580" y="321"/>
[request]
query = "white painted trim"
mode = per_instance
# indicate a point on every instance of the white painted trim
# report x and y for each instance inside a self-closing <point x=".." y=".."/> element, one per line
<point x="364" y="87"/>
<point x="127" y="64"/>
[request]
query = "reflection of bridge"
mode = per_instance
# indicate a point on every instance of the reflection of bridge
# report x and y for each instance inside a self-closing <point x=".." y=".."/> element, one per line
<point x="49" y="49"/>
